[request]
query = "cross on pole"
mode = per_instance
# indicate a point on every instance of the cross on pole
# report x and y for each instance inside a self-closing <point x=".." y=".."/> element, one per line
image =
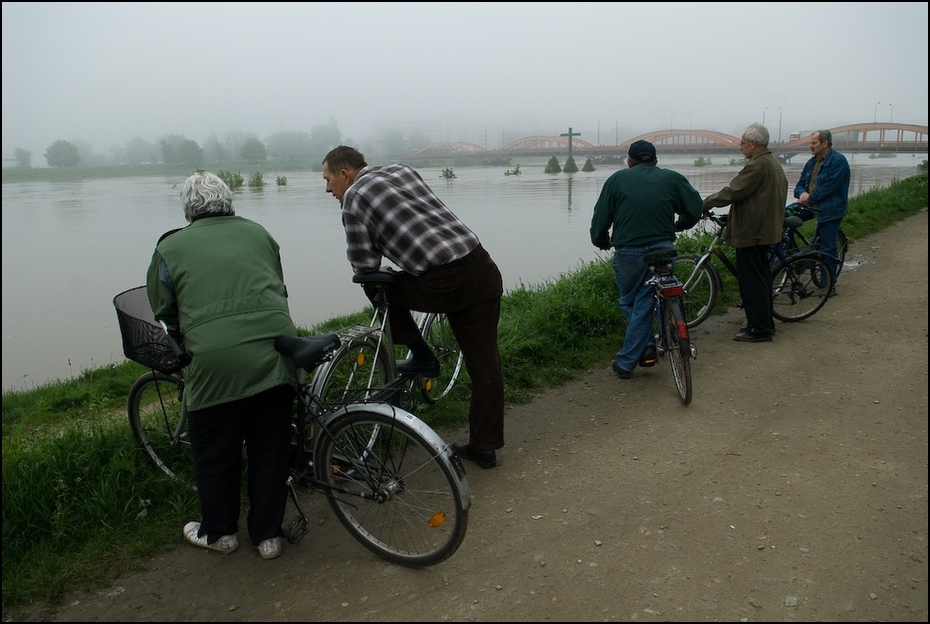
<point x="570" y="134"/>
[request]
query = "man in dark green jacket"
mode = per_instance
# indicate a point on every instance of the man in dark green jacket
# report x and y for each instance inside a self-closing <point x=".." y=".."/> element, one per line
<point x="220" y="281"/>
<point x="757" y="198"/>
<point x="635" y="214"/>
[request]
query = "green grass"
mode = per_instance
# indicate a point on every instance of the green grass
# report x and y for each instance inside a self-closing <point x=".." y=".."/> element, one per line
<point x="81" y="505"/>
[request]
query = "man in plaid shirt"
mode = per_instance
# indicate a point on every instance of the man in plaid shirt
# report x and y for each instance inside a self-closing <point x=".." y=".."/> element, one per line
<point x="390" y="212"/>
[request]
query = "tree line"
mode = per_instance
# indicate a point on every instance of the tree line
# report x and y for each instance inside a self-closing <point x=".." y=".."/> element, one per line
<point x="178" y="149"/>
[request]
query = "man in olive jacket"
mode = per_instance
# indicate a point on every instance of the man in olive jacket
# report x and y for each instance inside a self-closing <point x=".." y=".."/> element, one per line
<point x="757" y="197"/>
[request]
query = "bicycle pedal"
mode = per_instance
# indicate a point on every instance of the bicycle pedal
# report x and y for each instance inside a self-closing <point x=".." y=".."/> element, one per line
<point x="296" y="529"/>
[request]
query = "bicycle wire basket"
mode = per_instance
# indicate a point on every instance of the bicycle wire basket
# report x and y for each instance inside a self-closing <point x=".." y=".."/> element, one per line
<point x="144" y="339"/>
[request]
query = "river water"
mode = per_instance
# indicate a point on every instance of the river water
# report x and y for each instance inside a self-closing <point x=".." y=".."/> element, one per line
<point x="69" y="248"/>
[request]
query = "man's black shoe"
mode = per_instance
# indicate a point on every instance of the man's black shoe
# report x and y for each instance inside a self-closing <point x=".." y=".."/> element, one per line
<point x="484" y="459"/>
<point x="750" y="336"/>
<point x="649" y="355"/>
<point x="745" y="328"/>
<point x="622" y="373"/>
<point x="411" y="366"/>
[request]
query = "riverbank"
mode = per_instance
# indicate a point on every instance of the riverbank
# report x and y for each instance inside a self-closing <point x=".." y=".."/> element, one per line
<point x="794" y="487"/>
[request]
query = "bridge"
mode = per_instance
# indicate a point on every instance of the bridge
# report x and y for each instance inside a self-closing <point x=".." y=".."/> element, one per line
<point x="862" y="138"/>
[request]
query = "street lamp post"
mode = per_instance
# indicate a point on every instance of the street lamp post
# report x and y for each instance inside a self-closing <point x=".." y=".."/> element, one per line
<point x="598" y="131"/>
<point x="875" y="112"/>
<point x="891" y="114"/>
<point x="779" y="124"/>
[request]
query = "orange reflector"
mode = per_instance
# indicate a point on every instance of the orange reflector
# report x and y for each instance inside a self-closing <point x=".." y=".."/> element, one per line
<point x="360" y="358"/>
<point x="428" y="385"/>
<point x="672" y="291"/>
<point x="437" y="519"/>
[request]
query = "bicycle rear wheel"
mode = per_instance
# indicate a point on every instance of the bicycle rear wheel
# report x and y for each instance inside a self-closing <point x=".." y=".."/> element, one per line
<point x="701" y="285"/>
<point x="158" y="420"/>
<point x="679" y="348"/>
<point x="842" y="246"/>
<point x="438" y="335"/>
<point x="800" y="287"/>
<point x="397" y="493"/>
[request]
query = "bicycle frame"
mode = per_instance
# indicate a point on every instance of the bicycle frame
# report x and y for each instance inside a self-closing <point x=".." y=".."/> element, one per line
<point x="672" y="336"/>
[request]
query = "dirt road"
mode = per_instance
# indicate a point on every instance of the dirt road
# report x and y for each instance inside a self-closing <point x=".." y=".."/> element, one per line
<point x="794" y="487"/>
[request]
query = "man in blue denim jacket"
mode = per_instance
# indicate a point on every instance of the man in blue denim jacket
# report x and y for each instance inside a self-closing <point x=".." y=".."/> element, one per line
<point x="824" y="188"/>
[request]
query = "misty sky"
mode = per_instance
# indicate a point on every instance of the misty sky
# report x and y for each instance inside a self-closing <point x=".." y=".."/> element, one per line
<point x="108" y="72"/>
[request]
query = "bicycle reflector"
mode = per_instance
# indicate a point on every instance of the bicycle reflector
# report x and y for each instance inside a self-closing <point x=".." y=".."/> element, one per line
<point x="674" y="290"/>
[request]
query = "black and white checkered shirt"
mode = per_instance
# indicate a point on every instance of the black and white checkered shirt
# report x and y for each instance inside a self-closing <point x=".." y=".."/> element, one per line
<point x="391" y="212"/>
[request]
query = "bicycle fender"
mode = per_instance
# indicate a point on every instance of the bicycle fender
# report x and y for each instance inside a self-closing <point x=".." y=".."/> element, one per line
<point x="439" y="446"/>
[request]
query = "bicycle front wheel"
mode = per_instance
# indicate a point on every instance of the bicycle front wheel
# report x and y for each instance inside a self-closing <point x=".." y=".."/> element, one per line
<point x="701" y="285"/>
<point x="679" y="348"/>
<point x="438" y="335"/>
<point x="395" y="492"/>
<point x="800" y="287"/>
<point x="359" y="371"/>
<point x="158" y="419"/>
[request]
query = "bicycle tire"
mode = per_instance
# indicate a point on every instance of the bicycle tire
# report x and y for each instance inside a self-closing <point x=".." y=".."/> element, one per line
<point x="842" y="246"/>
<point x="679" y="348"/>
<point x="358" y="371"/>
<point x="158" y="421"/>
<point x="701" y="285"/>
<point x="435" y="329"/>
<point x="401" y="497"/>
<point x="800" y="287"/>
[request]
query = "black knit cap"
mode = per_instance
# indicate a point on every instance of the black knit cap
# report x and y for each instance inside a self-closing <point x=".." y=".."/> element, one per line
<point x="642" y="151"/>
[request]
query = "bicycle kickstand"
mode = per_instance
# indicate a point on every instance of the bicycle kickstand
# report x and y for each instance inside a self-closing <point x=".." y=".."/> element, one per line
<point x="299" y="526"/>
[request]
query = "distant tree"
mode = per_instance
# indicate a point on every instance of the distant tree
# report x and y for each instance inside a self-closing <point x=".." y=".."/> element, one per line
<point x="291" y="146"/>
<point x="324" y="138"/>
<point x="570" y="166"/>
<point x="177" y="150"/>
<point x="588" y="165"/>
<point x="62" y="154"/>
<point x="214" y="151"/>
<point x="553" y="165"/>
<point x="23" y="158"/>
<point x="88" y="157"/>
<point x="253" y="151"/>
<point x="139" y="151"/>
<point x="393" y="143"/>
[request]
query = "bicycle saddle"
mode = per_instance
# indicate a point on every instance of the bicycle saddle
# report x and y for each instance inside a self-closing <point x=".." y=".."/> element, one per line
<point x="307" y="351"/>
<point x="381" y="276"/>
<point x="660" y="255"/>
<point x="793" y="222"/>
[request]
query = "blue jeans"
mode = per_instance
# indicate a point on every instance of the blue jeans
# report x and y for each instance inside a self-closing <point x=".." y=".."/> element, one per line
<point x="636" y="301"/>
<point x="827" y="231"/>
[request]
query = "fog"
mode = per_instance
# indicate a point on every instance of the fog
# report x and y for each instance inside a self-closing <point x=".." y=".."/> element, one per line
<point x="105" y="73"/>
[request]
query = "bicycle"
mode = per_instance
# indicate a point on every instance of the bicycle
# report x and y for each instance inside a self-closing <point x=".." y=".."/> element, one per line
<point x="801" y="281"/>
<point x="672" y="337"/>
<point x="391" y="480"/>
<point x="795" y="241"/>
<point x="366" y="363"/>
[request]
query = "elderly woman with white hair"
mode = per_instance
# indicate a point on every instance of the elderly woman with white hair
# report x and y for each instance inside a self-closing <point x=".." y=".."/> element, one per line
<point x="220" y="281"/>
